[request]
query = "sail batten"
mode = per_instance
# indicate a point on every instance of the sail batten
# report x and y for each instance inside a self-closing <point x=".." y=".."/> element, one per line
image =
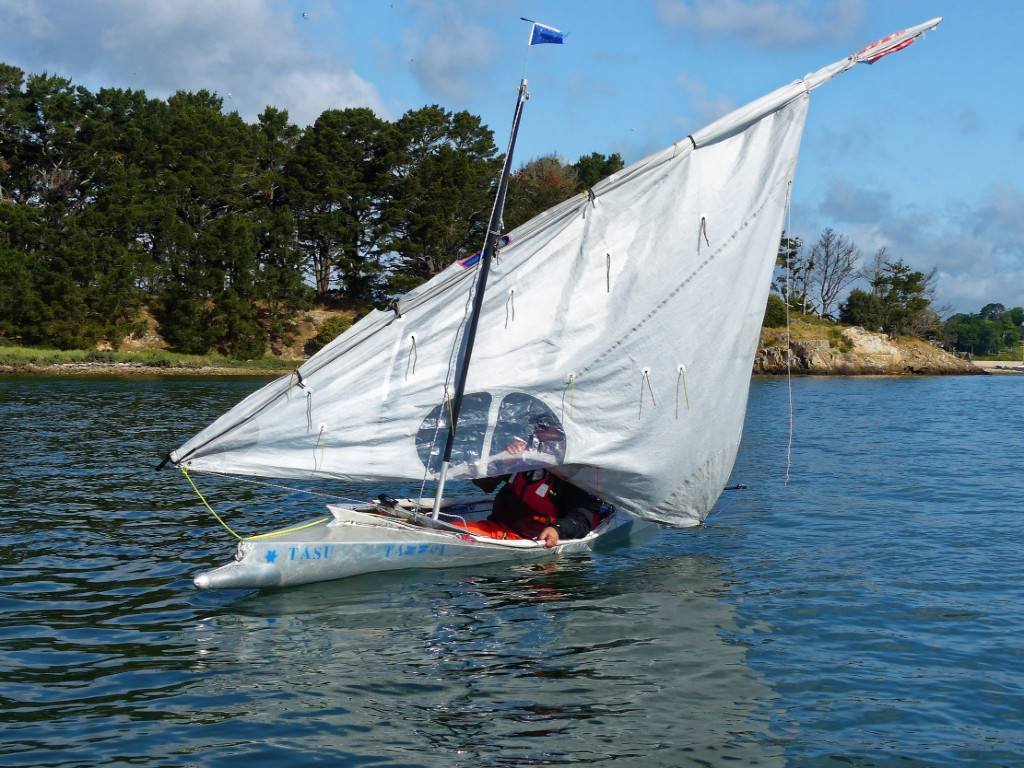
<point x="652" y="285"/>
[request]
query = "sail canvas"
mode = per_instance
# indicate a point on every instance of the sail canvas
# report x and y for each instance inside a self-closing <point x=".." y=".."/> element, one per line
<point x="615" y="341"/>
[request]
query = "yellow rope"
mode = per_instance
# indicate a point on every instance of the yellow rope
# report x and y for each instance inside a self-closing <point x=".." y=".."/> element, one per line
<point x="451" y="415"/>
<point x="287" y="530"/>
<point x="248" y="538"/>
<point x="228" y="527"/>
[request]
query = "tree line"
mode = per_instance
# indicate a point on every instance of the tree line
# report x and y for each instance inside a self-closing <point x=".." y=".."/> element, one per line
<point x="111" y="202"/>
<point x="897" y="300"/>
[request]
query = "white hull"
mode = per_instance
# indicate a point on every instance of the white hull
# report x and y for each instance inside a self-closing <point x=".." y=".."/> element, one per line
<point x="372" y="539"/>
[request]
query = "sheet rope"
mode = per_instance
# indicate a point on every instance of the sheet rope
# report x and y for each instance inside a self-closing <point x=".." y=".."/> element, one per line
<point x="271" y="535"/>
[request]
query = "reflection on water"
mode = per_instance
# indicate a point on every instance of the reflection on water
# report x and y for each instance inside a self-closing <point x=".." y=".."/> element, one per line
<point x="109" y="656"/>
<point x="864" y="613"/>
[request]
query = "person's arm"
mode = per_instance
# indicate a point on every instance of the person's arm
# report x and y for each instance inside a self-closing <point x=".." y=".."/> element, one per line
<point x="573" y="524"/>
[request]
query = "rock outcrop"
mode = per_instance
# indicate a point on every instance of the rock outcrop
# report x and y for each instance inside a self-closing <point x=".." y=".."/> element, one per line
<point x="853" y="352"/>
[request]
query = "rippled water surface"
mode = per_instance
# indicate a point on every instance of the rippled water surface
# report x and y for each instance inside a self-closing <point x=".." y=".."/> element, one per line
<point x="867" y="612"/>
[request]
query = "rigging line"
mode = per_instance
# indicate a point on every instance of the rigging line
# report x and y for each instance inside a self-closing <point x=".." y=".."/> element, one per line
<point x="292" y="489"/>
<point x="720" y="510"/>
<point x="789" y="341"/>
<point x="206" y="504"/>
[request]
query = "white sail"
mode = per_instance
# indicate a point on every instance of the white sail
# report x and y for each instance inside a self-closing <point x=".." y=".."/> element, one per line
<point x="616" y="339"/>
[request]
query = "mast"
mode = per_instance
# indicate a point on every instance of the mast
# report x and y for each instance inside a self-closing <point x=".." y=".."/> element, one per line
<point x="466" y="348"/>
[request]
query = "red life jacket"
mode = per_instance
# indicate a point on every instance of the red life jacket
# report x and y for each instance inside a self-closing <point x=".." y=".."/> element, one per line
<point x="534" y="504"/>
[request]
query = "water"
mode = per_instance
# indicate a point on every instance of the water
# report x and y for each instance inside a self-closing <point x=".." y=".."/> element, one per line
<point x="867" y="613"/>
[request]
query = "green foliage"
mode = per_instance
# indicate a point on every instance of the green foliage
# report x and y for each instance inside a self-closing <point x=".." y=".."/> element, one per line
<point x="332" y="328"/>
<point x="591" y="168"/>
<point x="547" y="181"/>
<point x="839" y="341"/>
<point x="992" y="331"/>
<point x="864" y="309"/>
<point x="445" y="170"/>
<point x="775" y="312"/>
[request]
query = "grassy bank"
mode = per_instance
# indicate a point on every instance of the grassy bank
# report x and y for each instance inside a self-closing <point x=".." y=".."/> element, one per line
<point x="24" y="359"/>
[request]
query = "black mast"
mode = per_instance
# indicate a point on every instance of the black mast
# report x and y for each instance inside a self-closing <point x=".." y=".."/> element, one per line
<point x="466" y="350"/>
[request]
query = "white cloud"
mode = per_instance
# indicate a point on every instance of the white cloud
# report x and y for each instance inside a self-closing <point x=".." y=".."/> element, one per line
<point x="438" y="45"/>
<point x="253" y="50"/>
<point x="706" y="109"/>
<point x="765" y="24"/>
<point x="978" y="248"/>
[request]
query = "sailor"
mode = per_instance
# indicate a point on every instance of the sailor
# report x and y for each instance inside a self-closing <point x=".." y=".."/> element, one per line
<point x="535" y="504"/>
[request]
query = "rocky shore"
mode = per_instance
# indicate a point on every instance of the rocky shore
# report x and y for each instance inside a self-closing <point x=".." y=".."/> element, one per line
<point x="824" y="350"/>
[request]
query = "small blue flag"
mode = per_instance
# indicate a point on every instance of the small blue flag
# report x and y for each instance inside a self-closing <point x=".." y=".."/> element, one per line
<point x="545" y="34"/>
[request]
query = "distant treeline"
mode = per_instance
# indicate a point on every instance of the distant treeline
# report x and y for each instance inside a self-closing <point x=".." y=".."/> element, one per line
<point x="898" y="300"/>
<point x="111" y="202"/>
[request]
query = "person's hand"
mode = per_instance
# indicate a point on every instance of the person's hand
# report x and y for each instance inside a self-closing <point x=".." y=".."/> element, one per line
<point x="549" y="536"/>
<point x="516" y="446"/>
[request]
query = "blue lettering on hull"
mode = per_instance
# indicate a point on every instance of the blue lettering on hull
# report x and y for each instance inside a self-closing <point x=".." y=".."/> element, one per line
<point x="323" y="552"/>
<point x="403" y="550"/>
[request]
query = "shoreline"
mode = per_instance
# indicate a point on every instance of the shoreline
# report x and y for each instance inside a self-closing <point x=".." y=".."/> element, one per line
<point x="135" y="369"/>
<point x="995" y="367"/>
<point x="999" y="366"/>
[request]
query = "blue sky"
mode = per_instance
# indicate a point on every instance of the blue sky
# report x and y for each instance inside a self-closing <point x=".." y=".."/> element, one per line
<point x="922" y="152"/>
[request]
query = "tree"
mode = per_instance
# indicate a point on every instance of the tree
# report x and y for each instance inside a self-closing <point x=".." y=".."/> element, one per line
<point x="864" y="309"/>
<point x="791" y="273"/>
<point x="444" y="178"/>
<point x="538" y="185"/>
<point x="339" y="187"/>
<point x="906" y="295"/>
<point x="591" y="168"/>
<point x="992" y="312"/>
<point x="775" y="312"/>
<point x="832" y="266"/>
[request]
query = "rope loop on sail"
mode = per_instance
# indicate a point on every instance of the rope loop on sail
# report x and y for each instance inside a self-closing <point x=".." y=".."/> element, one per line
<point x="413" y="356"/>
<point x="510" y="307"/>
<point x="647" y="379"/>
<point x="570" y="387"/>
<point x="686" y="395"/>
<point x="703" y="230"/>
<point x="322" y="445"/>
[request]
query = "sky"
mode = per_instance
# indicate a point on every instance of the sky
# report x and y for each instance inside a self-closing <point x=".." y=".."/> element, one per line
<point x="922" y="152"/>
